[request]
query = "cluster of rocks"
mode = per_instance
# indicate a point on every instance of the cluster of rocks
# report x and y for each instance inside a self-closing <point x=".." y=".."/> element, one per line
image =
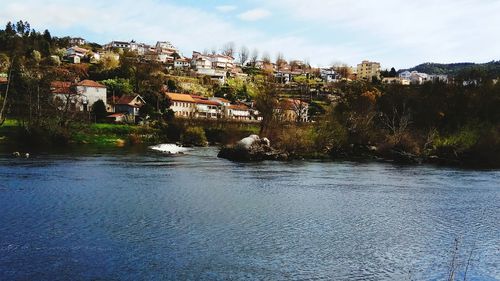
<point x="18" y="154"/>
<point x="252" y="148"/>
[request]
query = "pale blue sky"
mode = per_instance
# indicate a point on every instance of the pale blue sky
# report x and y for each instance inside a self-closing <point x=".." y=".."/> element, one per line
<point x="393" y="32"/>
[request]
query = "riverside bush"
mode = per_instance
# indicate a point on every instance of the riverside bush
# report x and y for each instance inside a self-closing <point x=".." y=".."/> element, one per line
<point x="194" y="136"/>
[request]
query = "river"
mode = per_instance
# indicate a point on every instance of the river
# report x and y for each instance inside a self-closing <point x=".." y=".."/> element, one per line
<point x="142" y="215"/>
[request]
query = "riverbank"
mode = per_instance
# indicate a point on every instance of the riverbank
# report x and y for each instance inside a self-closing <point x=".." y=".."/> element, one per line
<point x="297" y="142"/>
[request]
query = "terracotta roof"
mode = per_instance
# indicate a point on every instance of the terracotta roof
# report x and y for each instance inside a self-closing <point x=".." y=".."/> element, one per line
<point x="198" y="97"/>
<point x="208" y="102"/>
<point x="180" y="97"/>
<point x="292" y="104"/>
<point x="3" y="80"/>
<point x="90" y="83"/>
<point x="125" y="99"/>
<point x="60" y="87"/>
<point x="80" y="50"/>
<point x="238" y="107"/>
<point x="116" y="115"/>
<point x="221" y="100"/>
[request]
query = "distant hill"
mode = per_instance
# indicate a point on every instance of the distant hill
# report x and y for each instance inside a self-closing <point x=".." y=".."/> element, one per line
<point x="492" y="69"/>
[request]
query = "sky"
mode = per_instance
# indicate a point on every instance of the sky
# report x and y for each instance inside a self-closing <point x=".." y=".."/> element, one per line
<point x="396" y="33"/>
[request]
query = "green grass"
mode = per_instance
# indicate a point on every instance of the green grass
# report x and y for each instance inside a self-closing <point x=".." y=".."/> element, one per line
<point x="7" y="129"/>
<point x="462" y="140"/>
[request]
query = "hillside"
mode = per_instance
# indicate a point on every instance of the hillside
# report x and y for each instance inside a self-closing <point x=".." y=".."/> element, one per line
<point x="491" y="69"/>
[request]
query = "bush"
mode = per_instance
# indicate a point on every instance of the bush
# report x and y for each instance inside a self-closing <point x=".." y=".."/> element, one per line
<point x="296" y="140"/>
<point x="194" y="136"/>
<point x="461" y="141"/>
<point x="99" y="110"/>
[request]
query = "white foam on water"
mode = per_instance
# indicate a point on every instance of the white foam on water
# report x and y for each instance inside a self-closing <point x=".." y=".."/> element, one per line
<point x="169" y="148"/>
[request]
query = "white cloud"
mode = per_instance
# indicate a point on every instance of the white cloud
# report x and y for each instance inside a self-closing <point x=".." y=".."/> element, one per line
<point x="188" y="28"/>
<point x="226" y="8"/>
<point x="394" y="33"/>
<point x="254" y="15"/>
<point x="407" y="32"/>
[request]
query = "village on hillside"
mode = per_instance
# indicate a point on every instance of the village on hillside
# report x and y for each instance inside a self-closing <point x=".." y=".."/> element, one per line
<point x="218" y="67"/>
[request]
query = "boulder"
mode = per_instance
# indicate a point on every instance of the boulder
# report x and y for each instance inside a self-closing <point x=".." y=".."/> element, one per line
<point x="252" y="148"/>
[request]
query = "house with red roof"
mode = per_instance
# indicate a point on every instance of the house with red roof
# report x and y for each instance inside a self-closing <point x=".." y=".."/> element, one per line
<point x="126" y="109"/>
<point x="81" y="95"/>
<point x="238" y="112"/>
<point x="206" y="108"/>
<point x="292" y="110"/>
<point x="182" y="105"/>
<point x="75" y="54"/>
<point x="129" y="104"/>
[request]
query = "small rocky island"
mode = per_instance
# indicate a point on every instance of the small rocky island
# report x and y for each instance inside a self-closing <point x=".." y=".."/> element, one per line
<point x="252" y="148"/>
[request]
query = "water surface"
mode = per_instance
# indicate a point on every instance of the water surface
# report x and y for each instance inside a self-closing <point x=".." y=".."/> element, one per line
<point x="122" y="215"/>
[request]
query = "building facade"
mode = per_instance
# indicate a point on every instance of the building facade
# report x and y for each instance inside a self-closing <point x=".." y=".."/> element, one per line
<point x="367" y="70"/>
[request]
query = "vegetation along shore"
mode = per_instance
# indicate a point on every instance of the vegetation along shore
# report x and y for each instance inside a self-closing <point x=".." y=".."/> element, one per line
<point x="66" y="91"/>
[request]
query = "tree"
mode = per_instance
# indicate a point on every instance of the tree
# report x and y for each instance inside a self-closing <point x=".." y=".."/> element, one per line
<point x="266" y="58"/>
<point x="228" y="49"/>
<point x="109" y="61"/>
<point x="393" y="72"/>
<point x="343" y="70"/>
<point x="243" y="55"/>
<point x="118" y="87"/>
<point x="99" y="110"/>
<point x="280" y="60"/>
<point x="254" y="57"/>
<point x="5" y="98"/>
<point x="4" y="62"/>
<point x="265" y="102"/>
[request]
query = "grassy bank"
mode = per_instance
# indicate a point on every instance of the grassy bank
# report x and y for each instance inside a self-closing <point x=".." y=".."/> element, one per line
<point x="191" y="132"/>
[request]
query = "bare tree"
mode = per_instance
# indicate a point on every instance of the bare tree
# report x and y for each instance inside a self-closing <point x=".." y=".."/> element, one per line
<point x="280" y="60"/>
<point x="342" y="69"/>
<point x="243" y="55"/>
<point x="266" y="58"/>
<point x="397" y="122"/>
<point x="228" y="49"/>
<point x="254" y="57"/>
<point x="300" y="109"/>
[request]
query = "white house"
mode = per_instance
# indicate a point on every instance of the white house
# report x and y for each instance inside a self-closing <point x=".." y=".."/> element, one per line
<point x="117" y="44"/>
<point x="75" y="54"/>
<point x="165" y="47"/>
<point x="200" y="61"/>
<point x="222" y="61"/>
<point x="81" y="95"/>
<point x="405" y="75"/>
<point x="77" y="41"/>
<point x="207" y="109"/>
<point x="215" y="75"/>
<point x="329" y="75"/>
<point x="129" y="105"/>
<point x="140" y="48"/>
<point x="438" y="78"/>
<point x="415" y="77"/>
<point x="182" y="63"/>
<point x="183" y="105"/>
<point x="395" y="80"/>
<point x="238" y="112"/>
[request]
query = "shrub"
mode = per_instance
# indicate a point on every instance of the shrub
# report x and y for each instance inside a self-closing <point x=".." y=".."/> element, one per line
<point x="99" y="110"/>
<point x="194" y="136"/>
<point x="296" y="140"/>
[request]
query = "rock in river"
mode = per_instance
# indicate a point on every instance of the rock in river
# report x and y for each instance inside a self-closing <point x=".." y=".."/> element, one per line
<point x="252" y="148"/>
